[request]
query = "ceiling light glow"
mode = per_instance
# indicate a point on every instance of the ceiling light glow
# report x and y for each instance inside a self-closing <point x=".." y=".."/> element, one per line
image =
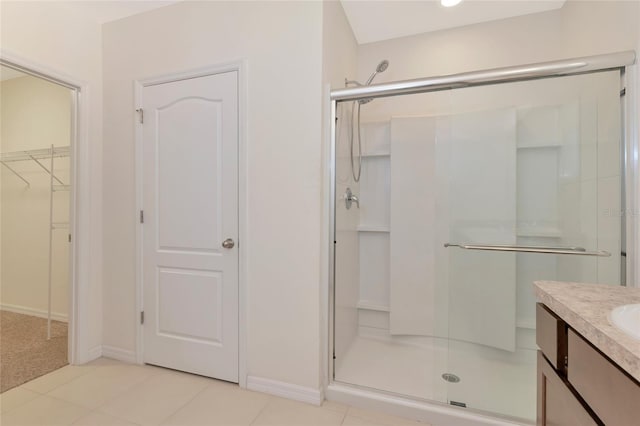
<point x="450" y="3"/>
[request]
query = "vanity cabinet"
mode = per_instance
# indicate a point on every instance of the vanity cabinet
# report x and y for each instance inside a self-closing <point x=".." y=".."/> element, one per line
<point x="557" y="402"/>
<point x="577" y="384"/>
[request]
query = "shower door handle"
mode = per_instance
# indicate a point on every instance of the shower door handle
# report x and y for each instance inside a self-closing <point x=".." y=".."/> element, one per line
<point x="580" y="251"/>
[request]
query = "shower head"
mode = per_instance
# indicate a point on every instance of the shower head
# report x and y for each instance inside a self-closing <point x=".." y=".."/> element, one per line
<point x="382" y="67"/>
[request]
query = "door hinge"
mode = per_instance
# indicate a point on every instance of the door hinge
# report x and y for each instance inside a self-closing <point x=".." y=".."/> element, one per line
<point x="142" y="317"/>
<point x="623" y="92"/>
<point x="69" y="237"/>
<point x="141" y="112"/>
<point x="141" y="216"/>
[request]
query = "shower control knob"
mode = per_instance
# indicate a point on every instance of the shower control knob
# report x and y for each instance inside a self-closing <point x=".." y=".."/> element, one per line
<point x="350" y="198"/>
<point x="228" y="243"/>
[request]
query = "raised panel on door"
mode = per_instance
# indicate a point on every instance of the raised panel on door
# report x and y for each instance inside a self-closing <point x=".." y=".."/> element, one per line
<point x="190" y="185"/>
<point x="189" y="172"/>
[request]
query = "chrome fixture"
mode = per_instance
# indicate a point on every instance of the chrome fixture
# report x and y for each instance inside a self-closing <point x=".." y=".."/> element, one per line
<point x="228" y="243"/>
<point x="450" y="377"/>
<point x="349" y="198"/>
<point x="492" y="76"/>
<point x="382" y="67"/>
<point x="531" y="249"/>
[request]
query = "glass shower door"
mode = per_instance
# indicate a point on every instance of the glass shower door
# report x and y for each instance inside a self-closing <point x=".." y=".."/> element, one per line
<point x="379" y="263"/>
<point x="426" y="306"/>
<point x="533" y="184"/>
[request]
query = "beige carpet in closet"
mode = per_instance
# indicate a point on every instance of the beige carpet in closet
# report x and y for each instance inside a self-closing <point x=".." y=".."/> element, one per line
<point x="25" y="352"/>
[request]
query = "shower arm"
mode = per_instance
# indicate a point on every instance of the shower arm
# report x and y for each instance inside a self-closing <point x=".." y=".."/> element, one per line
<point x="352" y="82"/>
<point x="531" y="249"/>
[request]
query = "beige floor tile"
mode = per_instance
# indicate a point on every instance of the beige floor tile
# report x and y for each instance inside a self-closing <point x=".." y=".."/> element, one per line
<point x="96" y="418"/>
<point x="155" y="399"/>
<point x="162" y="370"/>
<point x="221" y="405"/>
<point x="95" y="388"/>
<point x="335" y="406"/>
<point x="43" y="411"/>
<point x="57" y="378"/>
<point x="381" y="418"/>
<point x="356" y="421"/>
<point x="101" y="362"/>
<point x="15" y="397"/>
<point x="283" y="412"/>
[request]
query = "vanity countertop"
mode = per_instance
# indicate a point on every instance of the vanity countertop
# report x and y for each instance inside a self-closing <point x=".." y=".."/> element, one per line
<point x="586" y="308"/>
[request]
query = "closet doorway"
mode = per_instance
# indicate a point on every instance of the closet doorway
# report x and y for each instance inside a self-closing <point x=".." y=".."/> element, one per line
<point x="36" y="133"/>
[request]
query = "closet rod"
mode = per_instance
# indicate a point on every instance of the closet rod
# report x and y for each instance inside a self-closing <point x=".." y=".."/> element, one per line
<point x="34" y="155"/>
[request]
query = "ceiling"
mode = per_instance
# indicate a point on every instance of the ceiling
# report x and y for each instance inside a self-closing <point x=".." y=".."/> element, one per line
<point x="382" y="20"/>
<point x="370" y="20"/>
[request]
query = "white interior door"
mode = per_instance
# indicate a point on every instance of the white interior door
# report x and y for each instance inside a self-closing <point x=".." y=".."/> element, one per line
<point x="190" y="230"/>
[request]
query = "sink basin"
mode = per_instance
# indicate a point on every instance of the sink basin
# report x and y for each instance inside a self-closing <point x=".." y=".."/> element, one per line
<point x="627" y="319"/>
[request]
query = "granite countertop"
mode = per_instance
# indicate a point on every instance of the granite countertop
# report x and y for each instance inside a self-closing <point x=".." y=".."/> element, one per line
<point x="586" y="307"/>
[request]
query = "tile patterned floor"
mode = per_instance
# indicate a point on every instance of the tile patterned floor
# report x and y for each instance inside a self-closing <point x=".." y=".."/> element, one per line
<point x="106" y="392"/>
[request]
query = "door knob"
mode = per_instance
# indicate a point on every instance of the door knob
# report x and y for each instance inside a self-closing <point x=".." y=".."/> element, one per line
<point x="228" y="243"/>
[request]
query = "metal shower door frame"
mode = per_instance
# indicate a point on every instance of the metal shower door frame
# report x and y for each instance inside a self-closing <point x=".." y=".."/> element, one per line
<point x="622" y="61"/>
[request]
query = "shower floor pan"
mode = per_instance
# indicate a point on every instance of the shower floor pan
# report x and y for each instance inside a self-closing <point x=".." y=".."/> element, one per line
<point x="494" y="381"/>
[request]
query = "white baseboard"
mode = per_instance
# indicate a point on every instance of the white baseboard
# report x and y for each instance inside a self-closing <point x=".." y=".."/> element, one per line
<point x="286" y="390"/>
<point x="56" y="316"/>
<point x="95" y="353"/>
<point x="119" y="354"/>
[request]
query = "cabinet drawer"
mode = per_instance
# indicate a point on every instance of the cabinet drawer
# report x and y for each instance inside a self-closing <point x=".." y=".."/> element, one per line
<point x="551" y="337"/>
<point x="557" y="405"/>
<point x="611" y="394"/>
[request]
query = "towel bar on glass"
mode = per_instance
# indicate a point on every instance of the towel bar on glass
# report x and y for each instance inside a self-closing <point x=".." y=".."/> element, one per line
<point x="531" y="249"/>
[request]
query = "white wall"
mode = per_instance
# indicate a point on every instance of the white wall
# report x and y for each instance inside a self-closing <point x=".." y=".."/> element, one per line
<point x="282" y="44"/>
<point x="49" y="35"/>
<point x="35" y="114"/>
<point x="339" y="62"/>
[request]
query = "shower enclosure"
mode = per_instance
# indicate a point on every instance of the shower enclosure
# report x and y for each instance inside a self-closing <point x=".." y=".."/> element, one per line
<point x="466" y="196"/>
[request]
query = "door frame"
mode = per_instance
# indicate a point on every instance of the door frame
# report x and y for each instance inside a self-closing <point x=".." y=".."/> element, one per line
<point x="240" y="66"/>
<point x="78" y="316"/>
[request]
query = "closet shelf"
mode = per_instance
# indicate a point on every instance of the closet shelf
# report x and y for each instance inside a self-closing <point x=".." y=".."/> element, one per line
<point x="34" y="154"/>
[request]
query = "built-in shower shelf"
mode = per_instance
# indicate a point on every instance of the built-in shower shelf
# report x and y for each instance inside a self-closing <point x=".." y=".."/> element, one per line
<point x="372" y="306"/>
<point x="375" y="154"/>
<point x="539" y="232"/>
<point x="526" y="323"/>
<point x="557" y="144"/>
<point x="373" y="228"/>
